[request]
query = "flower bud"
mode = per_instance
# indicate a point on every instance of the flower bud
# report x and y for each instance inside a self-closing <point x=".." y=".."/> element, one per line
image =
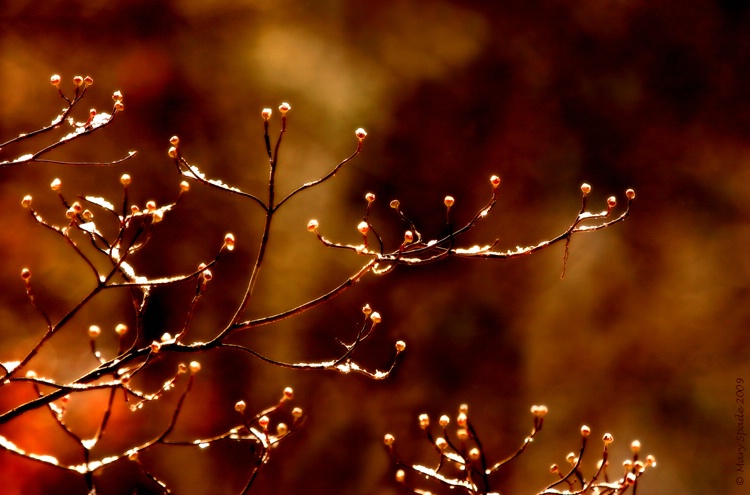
<point x="539" y="411"/>
<point x="194" y="366"/>
<point x="31" y="374"/>
<point x="650" y="460"/>
<point x="408" y="236"/>
<point x="571" y="458"/>
<point x="312" y="225"/>
<point x="463" y="408"/>
<point x="125" y="180"/>
<point x="363" y="227"/>
<point x="25" y="274"/>
<point x="395" y="204"/>
<point x="444" y="420"/>
<point x="266" y="114"/>
<point x="155" y="347"/>
<point x="554" y="469"/>
<point x="366" y="309"/>
<point x="462" y="434"/>
<point x="117" y="96"/>
<point x="229" y="241"/>
<point x="172" y="152"/>
<point x="474" y="454"/>
<point x="585" y="431"/>
<point x="297" y="412"/>
<point x="94" y="331"/>
<point x="55" y="80"/>
<point x="263" y="422"/>
<point x="56" y="185"/>
<point x="119" y="106"/>
<point x="635" y="446"/>
<point x="585" y="189"/>
<point x="462" y="419"/>
<point x="88" y="80"/>
<point x="441" y="443"/>
<point x="370" y="197"/>
<point x="184" y="186"/>
<point x="207" y="275"/>
<point x="495" y="181"/>
<point x="375" y="317"/>
<point x="611" y="202"/>
<point x="424" y="421"/>
<point x="282" y="430"/>
<point x="26" y="201"/>
<point x="608" y="439"/>
<point x="388" y="439"/>
<point x="151" y="206"/>
<point x="448" y="201"/>
<point x="166" y="337"/>
<point x="630" y="194"/>
<point x="174" y="141"/>
<point x="133" y="456"/>
<point x="400" y="346"/>
<point x="121" y="329"/>
<point x="77" y="80"/>
<point x="181" y="368"/>
<point x="630" y="479"/>
<point x="400" y="476"/>
<point x="288" y="393"/>
<point x="284" y="108"/>
<point x="360" y="133"/>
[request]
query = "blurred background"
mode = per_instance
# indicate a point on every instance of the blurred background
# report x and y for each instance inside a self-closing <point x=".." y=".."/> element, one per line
<point x="644" y="337"/>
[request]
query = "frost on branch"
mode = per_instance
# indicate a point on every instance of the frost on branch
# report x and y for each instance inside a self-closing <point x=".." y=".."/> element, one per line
<point x="106" y="234"/>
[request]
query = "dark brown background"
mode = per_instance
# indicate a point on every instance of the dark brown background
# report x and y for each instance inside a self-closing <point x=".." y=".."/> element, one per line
<point x="644" y="337"/>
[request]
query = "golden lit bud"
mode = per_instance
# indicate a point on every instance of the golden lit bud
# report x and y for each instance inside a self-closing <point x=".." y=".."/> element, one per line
<point x="360" y="133"/>
<point x="611" y="202"/>
<point x="424" y="421"/>
<point x="400" y="476"/>
<point x="88" y="80"/>
<point x="297" y="412"/>
<point x="117" y="96"/>
<point x="363" y="227"/>
<point x="585" y="189"/>
<point x="263" y="422"/>
<point x="408" y="236"/>
<point x="630" y="194"/>
<point x="284" y="108"/>
<point x="370" y="197"/>
<point x="288" y="393"/>
<point x="400" y="346"/>
<point x="495" y="181"/>
<point x="585" y="431"/>
<point x="388" y="439"/>
<point x="94" y="331"/>
<point x="172" y="152"/>
<point x="55" y="80"/>
<point x="441" y="443"/>
<point x="119" y="106"/>
<point x="194" y="366"/>
<point x="77" y="80"/>
<point x="26" y="201"/>
<point x="281" y="430"/>
<point x="266" y="114"/>
<point x="462" y="434"/>
<point x="312" y="225"/>
<point x="608" y="439"/>
<point x="539" y="411"/>
<point x="375" y="317"/>
<point x="474" y="454"/>
<point x="635" y="446"/>
<point x="56" y="185"/>
<point x="25" y="274"/>
<point x="395" y="204"/>
<point x="366" y="309"/>
<point x="448" y="201"/>
<point x="174" y="141"/>
<point x="229" y="241"/>
<point x="444" y="420"/>
<point x="125" y="180"/>
<point x="121" y="329"/>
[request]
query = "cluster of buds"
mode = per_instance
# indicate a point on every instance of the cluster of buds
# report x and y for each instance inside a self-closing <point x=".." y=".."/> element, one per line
<point x="463" y="464"/>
